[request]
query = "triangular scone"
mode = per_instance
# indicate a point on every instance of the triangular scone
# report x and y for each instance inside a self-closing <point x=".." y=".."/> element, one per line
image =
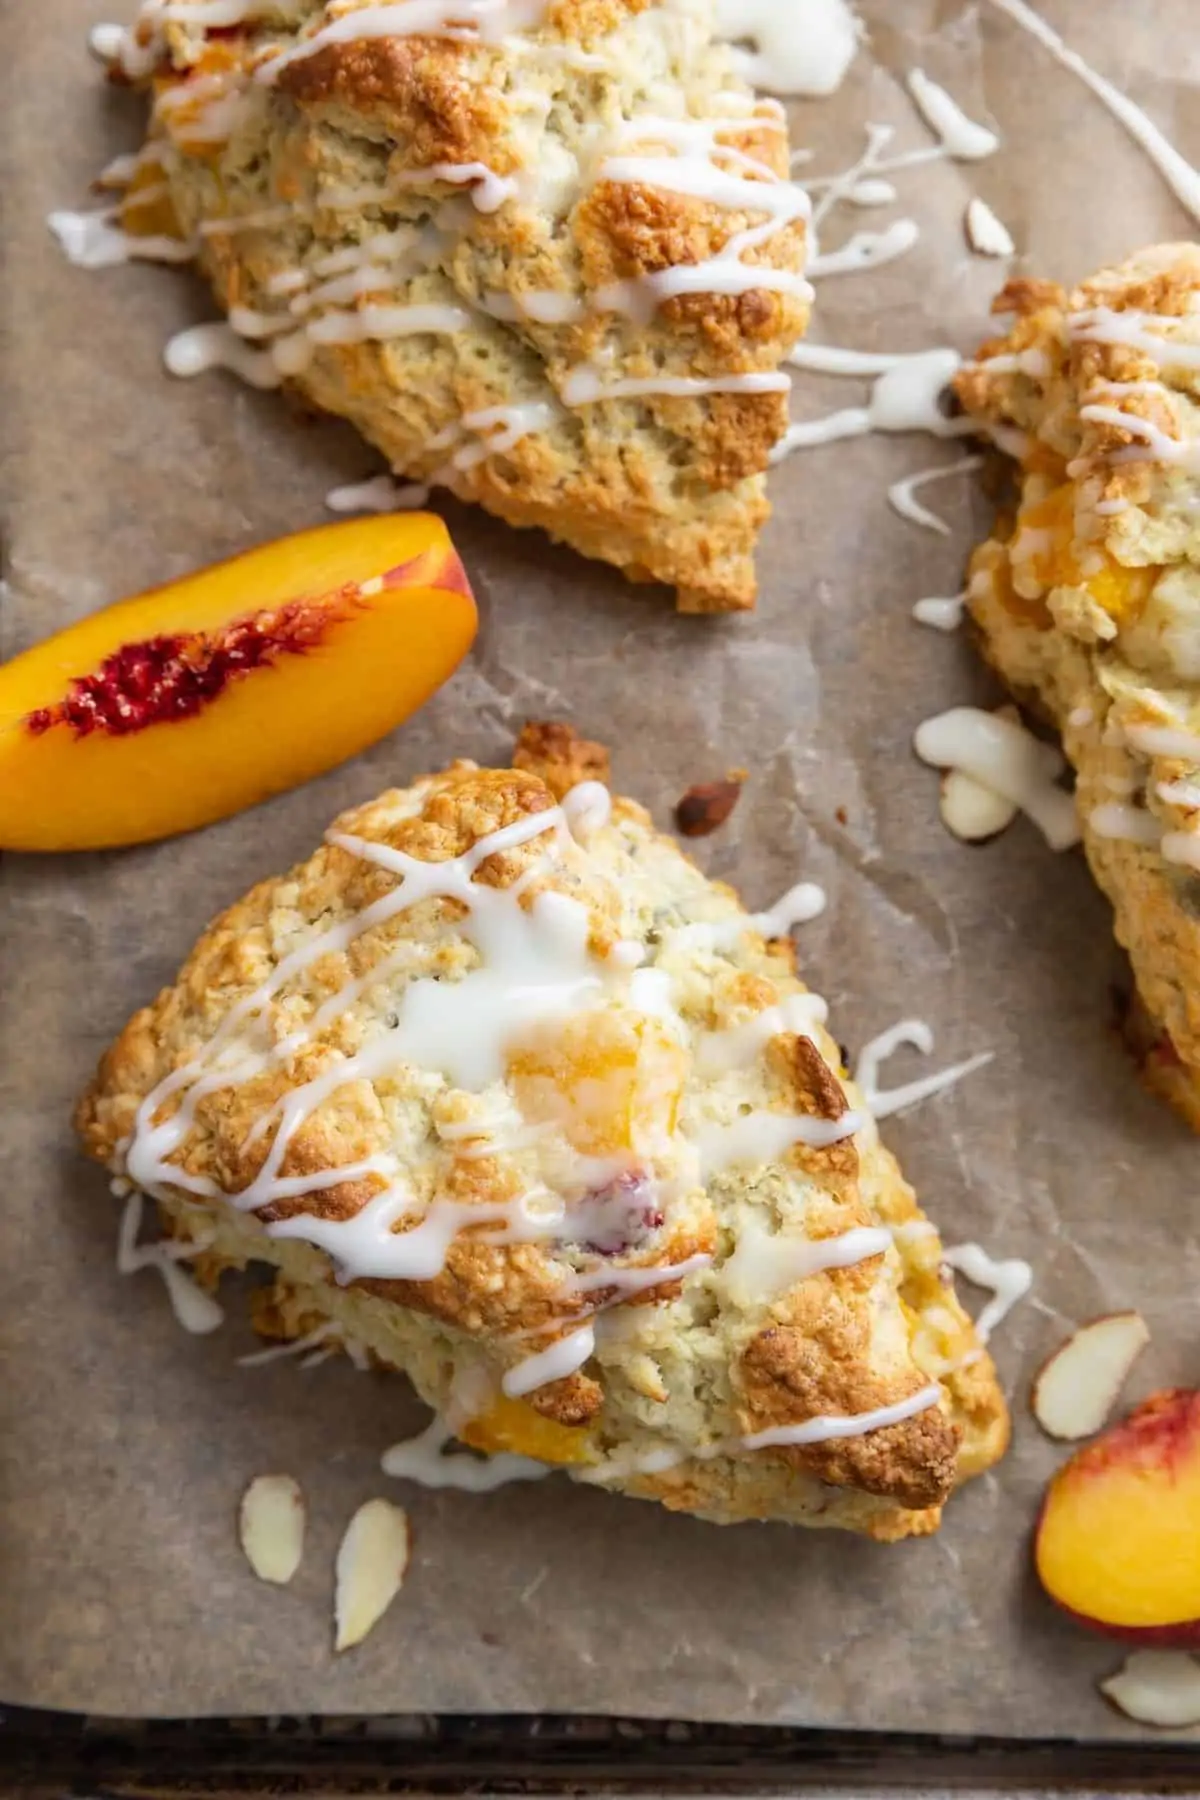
<point x="1088" y="598"/>
<point x="545" y="254"/>
<point x="576" y="1141"/>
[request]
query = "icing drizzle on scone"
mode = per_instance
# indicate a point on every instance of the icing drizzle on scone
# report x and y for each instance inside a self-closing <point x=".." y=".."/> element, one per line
<point x="535" y="976"/>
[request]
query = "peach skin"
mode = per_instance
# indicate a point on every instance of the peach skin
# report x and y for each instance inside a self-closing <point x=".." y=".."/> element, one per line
<point x="192" y="701"/>
<point x="1118" y="1541"/>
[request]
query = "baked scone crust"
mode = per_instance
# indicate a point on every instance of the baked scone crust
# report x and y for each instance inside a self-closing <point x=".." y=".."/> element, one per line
<point x="1087" y="599"/>
<point x="263" y="170"/>
<point x="693" y="1363"/>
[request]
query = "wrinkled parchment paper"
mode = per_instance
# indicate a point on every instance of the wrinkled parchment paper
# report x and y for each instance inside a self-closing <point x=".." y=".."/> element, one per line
<point x="124" y="1445"/>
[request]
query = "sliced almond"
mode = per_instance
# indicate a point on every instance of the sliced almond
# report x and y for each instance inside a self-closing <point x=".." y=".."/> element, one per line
<point x="271" y="1527"/>
<point x="971" y="811"/>
<point x="987" y="234"/>
<point x="1157" y="1687"/>
<point x="1075" y="1389"/>
<point x="371" y="1562"/>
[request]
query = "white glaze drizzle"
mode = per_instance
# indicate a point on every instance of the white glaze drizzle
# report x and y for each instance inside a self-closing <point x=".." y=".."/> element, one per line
<point x="695" y="174"/>
<point x="719" y="1051"/>
<point x="866" y="250"/>
<point x="942" y="614"/>
<point x="820" y="1430"/>
<point x="585" y="384"/>
<point x="499" y="428"/>
<point x="479" y="21"/>
<point x="881" y="1103"/>
<point x="1009" y="1281"/>
<point x="902" y="494"/>
<point x="422" y="1459"/>
<point x="535" y="967"/>
<point x="761" y="1137"/>
<point x="1127" y="824"/>
<point x="1179" y="793"/>
<point x="217" y="346"/>
<point x="1164" y="740"/>
<point x="800" y="46"/>
<point x="560" y="1359"/>
<point x="93" y="240"/>
<point x="1179" y="174"/>
<point x="195" y="1310"/>
<point x="799" y="906"/>
<point x="378" y="494"/>
<point x="904" y="397"/>
<point x="258" y="1359"/>
<point x="1005" y="758"/>
<point x="766" y="1264"/>
<point x="588" y="809"/>
<point x="959" y="136"/>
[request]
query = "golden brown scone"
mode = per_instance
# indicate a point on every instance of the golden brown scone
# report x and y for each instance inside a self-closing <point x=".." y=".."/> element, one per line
<point x="575" y="1100"/>
<point x="542" y="180"/>
<point x="1088" y="599"/>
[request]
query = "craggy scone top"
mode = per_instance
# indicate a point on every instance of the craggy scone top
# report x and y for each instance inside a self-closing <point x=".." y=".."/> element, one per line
<point x="1089" y="595"/>
<point x="542" y="251"/>
<point x="574" y="1139"/>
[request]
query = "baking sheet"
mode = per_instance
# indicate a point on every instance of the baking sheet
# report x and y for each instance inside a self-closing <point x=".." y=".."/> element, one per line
<point x="125" y="1445"/>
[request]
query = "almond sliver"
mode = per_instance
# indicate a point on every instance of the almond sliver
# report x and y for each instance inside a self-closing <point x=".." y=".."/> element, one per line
<point x="371" y="1562"/>
<point x="1157" y="1687"/>
<point x="271" y="1527"/>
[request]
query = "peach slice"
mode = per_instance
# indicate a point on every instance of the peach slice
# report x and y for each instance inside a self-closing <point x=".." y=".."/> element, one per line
<point x="192" y="701"/>
<point x="1118" y="1541"/>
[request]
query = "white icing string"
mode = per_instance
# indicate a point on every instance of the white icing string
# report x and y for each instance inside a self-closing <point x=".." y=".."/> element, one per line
<point x="902" y="494"/>
<point x="422" y="1459"/>
<point x="866" y="250"/>
<point x="378" y="494"/>
<point x="478" y="21"/>
<point x="1009" y="1281"/>
<point x="93" y="240"/>
<point x="799" y="906"/>
<point x="258" y="1359"/>
<point x="881" y="1103"/>
<point x="535" y="968"/>
<point x="1179" y="174"/>
<point x="904" y="397"/>
<point x="823" y="1428"/>
<point x="959" y="137"/>
<point x="942" y="614"/>
<point x="559" y="1360"/>
<point x="766" y="1264"/>
<point x="1008" y="760"/>
<point x="810" y="1431"/>
<point x="800" y="46"/>
<point x="195" y="1310"/>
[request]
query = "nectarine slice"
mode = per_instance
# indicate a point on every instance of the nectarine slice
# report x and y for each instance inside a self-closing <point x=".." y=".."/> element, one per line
<point x="197" y="699"/>
<point x="1118" y="1542"/>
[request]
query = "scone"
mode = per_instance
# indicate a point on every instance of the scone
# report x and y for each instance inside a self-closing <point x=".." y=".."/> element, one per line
<point x="1088" y="598"/>
<point x="513" y="1096"/>
<point x="542" y="252"/>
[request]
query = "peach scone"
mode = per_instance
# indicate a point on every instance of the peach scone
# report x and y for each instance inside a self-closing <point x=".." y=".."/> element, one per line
<point x="513" y="1096"/>
<point x="1087" y="598"/>
<point x="544" y="253"/>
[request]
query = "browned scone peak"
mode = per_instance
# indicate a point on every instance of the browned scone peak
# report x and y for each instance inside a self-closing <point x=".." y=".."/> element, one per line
<point x="546" y="255"/>
<point x="1088" y="598"/>
<point x="513" y="1097"/>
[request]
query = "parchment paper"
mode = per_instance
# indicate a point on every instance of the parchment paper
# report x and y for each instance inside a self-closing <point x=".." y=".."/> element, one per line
<point x="124" y="1444"/>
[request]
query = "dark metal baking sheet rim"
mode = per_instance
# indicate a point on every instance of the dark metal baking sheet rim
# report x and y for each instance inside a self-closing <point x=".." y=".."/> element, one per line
<point x="522" y="1754"/>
